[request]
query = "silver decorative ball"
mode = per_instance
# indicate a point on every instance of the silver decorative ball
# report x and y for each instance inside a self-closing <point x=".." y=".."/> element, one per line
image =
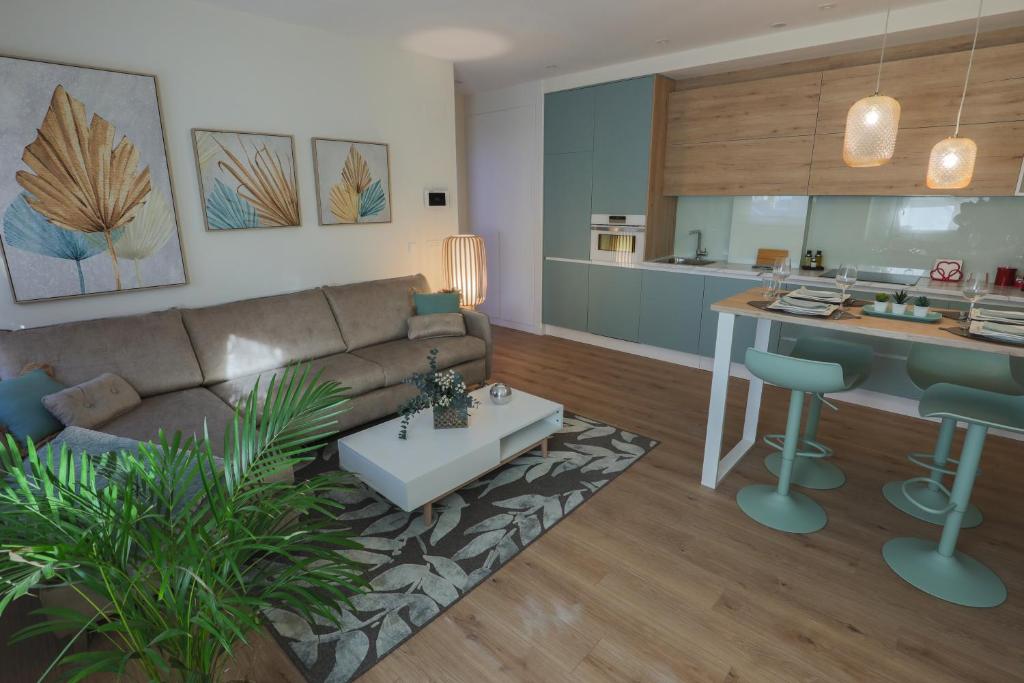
<point x="501" y="393"/>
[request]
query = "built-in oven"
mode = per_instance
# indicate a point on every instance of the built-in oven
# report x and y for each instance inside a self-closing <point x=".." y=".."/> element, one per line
<point x="617" y="238"/>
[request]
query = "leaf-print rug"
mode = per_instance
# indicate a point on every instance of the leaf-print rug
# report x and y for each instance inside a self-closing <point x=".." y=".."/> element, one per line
<point x="416" y="572"/>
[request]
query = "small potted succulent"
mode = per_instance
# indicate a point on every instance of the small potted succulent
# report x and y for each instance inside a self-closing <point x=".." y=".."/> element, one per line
<point x="881" y="302"/>
<point x="921" y="306"/>
<point x="444" y="391"/>
<point x="899" y="302"/>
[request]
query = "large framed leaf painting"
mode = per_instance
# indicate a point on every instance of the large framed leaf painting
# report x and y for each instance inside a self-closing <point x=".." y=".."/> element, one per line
<point x="86" y="203"/>
<point x="353" y="182"/>
<point x="247" y="180"/>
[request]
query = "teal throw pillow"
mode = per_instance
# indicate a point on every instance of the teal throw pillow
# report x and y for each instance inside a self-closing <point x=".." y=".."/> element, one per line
<point x="21" y="406"/>
<point x="441" y="302"/>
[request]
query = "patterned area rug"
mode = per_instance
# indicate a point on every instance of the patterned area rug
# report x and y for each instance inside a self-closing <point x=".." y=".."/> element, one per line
<point x="416" y="572"/>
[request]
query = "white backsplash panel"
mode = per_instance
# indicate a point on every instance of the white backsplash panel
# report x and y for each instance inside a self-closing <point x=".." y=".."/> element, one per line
<point x="767" y="223"/>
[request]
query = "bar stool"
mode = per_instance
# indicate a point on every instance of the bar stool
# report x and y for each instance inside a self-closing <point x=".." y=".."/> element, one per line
<point x="811" y="469"/>
<point x="938" y="568"/>
<point x="776" y="506"/>
<point x="928" y="365"/>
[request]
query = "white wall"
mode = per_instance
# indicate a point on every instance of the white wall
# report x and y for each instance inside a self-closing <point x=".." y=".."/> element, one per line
<point x="504" y="169"/>
<point x="230" y="70"/>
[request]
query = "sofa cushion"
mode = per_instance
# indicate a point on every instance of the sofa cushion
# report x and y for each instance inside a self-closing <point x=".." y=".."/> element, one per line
<point x="376" y="311"/>
<point x="359" y="375"/>
<point x="94" y="402"/>
<point x="22" y="411"/>
<point x="438" y="302"/>
<point x="246" y="337"/>
<point x="399" y="359"/>
<point x="179" y="411"/>
<point x="151" y="351"/>
<point x="437" y="325"/>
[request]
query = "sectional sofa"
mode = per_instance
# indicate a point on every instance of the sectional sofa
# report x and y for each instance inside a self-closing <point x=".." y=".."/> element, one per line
<point x="191" y="365"/>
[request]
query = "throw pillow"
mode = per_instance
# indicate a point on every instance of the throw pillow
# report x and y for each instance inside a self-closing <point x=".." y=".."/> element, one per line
<point x="94" y="402"/>
<point x="437" y="325"/>
<point x="439" y="302"/>
<point x="21" y="406"/>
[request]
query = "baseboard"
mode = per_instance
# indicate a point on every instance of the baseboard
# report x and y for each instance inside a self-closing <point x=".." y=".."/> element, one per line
<point x="862" y="397"/>
<point x="522" y="327"/>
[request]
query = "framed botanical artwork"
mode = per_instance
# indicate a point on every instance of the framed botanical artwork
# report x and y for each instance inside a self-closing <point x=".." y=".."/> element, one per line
<point x="353" y="182"/>
<point x="246" y="180"/>
<point x="1020" y="181"/>
<point x="86" y="200"/>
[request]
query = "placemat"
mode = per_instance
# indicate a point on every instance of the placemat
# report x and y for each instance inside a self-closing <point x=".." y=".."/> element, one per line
<point x="837" y="315"/>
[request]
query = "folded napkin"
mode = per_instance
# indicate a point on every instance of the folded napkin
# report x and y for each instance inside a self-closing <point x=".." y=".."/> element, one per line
<point x="1011" y="333"/>
<point x="997" y="316"/>
<point x="800" y="307"/>
<point x="817" y="295"/>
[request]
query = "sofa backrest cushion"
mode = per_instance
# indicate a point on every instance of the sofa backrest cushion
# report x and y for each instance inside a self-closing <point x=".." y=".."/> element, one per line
<point x="244" y="337"/>
<point x="151" y="351"/>
<point x="376" y="311"/>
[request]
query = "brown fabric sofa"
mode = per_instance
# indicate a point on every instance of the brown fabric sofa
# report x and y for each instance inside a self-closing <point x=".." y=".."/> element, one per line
<point x="191" y="365"/>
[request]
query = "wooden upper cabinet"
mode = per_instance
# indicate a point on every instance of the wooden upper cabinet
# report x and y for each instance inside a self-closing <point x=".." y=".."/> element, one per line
<point x="1000" y="149"/>
<point x="929" y="89"/>
<point x="767" y="108"/>
<point x="768" y="166"/>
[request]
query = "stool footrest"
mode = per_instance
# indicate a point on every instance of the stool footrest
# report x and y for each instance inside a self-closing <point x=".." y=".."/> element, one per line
<point x="926" y="460"/>
<point x="806" y="448"/>
<point x="925" y="480"/>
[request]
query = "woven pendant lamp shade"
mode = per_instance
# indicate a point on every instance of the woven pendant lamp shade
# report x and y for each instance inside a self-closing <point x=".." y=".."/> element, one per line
<point x="464" y="268"/>
<point x="951" y="164"/>
<point x="871" y="127"/>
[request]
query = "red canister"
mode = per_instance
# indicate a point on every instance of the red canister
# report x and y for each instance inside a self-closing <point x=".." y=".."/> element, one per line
<point x="1006" y="276"/>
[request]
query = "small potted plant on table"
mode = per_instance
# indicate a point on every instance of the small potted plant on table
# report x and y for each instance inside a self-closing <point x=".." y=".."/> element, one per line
<point x="899" y="302"/>
<point x="921" y="306"/>
<point x="881" y="302"/>
<point x="444" y="391"/>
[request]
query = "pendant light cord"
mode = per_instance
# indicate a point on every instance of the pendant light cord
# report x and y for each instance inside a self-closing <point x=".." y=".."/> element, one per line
<point x="970" y="63"/>
<point x="881" y="59"/>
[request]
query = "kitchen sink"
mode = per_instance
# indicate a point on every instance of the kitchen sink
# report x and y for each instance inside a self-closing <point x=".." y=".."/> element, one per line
<point x="684" y="261"/>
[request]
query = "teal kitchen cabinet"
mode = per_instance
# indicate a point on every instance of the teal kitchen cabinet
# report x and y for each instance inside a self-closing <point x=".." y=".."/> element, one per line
<point x="569" y="121"/>
<point x="567" y="187"/>
<point x="716" y="289"/>
<point x="623" y="114"/>
<point x="566" y="292"/>
<point x="613" y="308"/>
<point x="670" y="310"/>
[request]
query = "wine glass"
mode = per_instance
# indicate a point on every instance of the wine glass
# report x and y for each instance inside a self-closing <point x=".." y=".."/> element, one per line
<point x="976" y="288"/>
<point x="846" y="277"/>
<point x="781" y="270"/>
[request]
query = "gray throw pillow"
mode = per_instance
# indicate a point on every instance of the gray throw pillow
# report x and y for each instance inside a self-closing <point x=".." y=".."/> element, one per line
<point x="94" y="402"/>
<point x="437" y="325"/>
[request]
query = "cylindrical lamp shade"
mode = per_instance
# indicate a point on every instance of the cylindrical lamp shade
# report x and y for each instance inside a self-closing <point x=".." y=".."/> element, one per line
<point x="871" y="127"/>
<point x="951" y="164"/>
<point x="465" y="267"/>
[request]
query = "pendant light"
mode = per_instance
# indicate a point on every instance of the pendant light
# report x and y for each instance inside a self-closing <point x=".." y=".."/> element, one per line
<point x="872" y="123"/>
<point x="951" y="164"/>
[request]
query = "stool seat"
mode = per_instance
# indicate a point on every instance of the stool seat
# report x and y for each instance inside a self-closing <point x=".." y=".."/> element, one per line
<point x="854" y="359"/>
<point x="967" y="404"/>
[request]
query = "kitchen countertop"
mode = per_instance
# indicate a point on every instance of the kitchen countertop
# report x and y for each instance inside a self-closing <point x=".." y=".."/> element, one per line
<point x="925" y="286"/>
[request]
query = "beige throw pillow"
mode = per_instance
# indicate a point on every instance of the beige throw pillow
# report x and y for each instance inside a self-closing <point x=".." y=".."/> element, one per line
<point x="437" y="325"/>
<point x="92" y="403"/>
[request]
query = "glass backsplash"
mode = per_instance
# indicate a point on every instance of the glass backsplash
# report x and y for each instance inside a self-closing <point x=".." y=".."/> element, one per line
<point x="897" y="232"/>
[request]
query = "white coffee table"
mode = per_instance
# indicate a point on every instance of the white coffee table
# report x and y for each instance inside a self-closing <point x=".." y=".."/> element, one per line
<point x="432" y="463"/>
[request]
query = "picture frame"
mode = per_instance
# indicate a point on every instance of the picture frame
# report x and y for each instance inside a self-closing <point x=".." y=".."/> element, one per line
<point x="1019" y="189"/>
<point x="247" y="180"/>
<point x="353" y="181"/>
<point x="136" y="248"/>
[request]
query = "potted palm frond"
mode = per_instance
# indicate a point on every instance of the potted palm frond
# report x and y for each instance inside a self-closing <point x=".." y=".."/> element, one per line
<point x="172" y="553"/>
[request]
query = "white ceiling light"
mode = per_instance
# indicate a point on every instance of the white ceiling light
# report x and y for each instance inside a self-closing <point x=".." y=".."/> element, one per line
<point x="456" y="44"/>
<point x="872" y="123"/>
<point x="951" y="163"/>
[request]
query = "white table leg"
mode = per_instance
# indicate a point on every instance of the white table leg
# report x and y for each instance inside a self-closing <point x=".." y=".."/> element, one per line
<point x="715" y="466"/>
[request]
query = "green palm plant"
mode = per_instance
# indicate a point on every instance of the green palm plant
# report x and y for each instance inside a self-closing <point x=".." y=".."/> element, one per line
<point x="177" y="554"/>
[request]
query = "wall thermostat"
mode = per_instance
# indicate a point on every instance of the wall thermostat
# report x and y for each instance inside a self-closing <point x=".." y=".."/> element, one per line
<point x="435" y="198"/>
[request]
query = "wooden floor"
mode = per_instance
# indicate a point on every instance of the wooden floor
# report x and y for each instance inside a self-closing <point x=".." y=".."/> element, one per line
<point x="658" y="579"/>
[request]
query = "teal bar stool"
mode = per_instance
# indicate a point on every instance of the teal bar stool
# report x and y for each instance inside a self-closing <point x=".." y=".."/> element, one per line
<point x="812" y="469"/>
<point x="776" y="506"/>
<point x="926" y="498"/>
<point x="938" y="568"/>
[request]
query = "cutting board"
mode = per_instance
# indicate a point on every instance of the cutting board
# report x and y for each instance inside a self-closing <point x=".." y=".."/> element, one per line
<point x="766" y="257"/>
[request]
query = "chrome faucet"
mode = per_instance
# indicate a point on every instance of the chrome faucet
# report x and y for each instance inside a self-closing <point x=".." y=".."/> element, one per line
<point x="701" y="253"/>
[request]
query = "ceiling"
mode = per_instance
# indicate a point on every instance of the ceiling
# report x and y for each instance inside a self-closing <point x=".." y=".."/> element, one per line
<point x="495" y="43"/>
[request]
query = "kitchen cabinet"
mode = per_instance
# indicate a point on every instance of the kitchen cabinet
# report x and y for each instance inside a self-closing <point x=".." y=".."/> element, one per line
<point x="623" y="113"/>
<point x="716" y="289"/>
<point x="768" y="166"/>
<point x="670" y="310"/>
<point x="566" y="292"/>
<point x="567" y="191"/>
<point x="613" y="308"/>
<point x="569" y="121"/>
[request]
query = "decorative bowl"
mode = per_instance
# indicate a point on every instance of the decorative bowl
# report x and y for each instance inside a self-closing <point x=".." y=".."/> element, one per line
<point x="501" y="394"/>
